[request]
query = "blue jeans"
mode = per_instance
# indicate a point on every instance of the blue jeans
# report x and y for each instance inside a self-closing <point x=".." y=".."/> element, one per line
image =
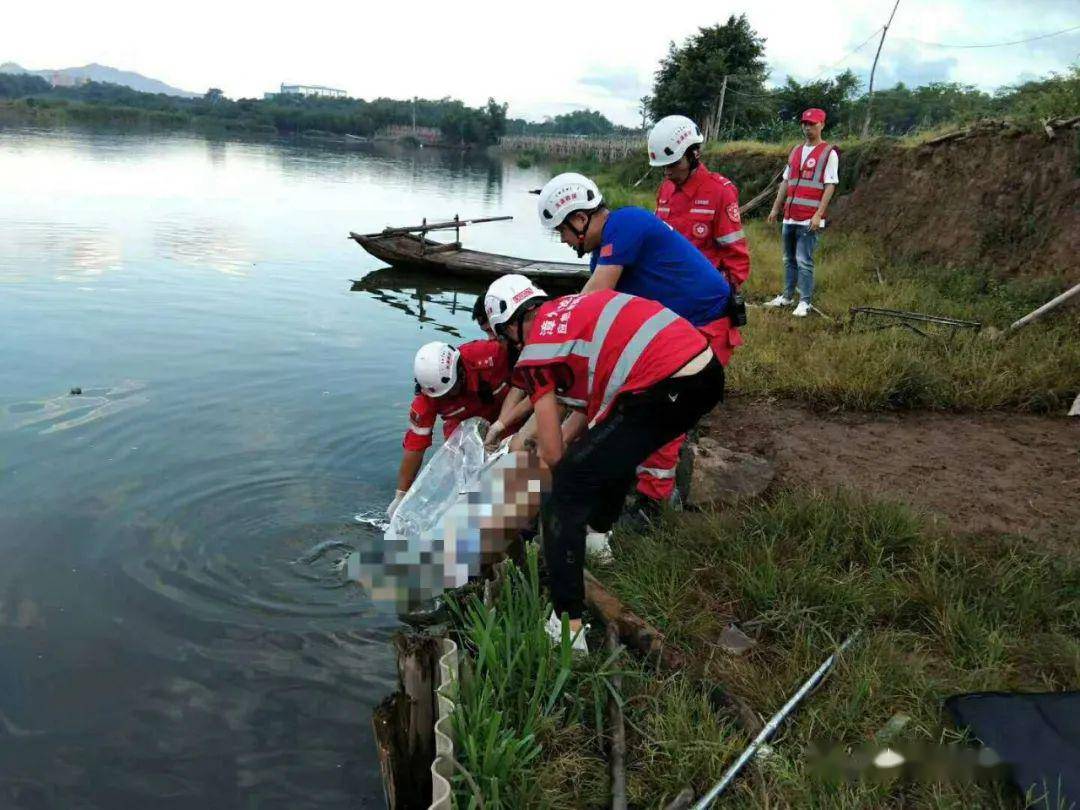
<point x="798" y="242"/>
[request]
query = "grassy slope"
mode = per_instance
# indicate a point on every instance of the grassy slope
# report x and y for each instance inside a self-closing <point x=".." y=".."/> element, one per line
<point x="842" y="363"/>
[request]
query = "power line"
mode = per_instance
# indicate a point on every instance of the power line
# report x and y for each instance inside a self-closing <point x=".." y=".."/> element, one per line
<point x="843" y="58"/>
<point x="993" y="44"/>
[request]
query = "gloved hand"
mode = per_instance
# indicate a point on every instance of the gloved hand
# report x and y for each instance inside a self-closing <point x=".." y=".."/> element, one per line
<point x="494" y="434"/>
<point x="394" y="504"/>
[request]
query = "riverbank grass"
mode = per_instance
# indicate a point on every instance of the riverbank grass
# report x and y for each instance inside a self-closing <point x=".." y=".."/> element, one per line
<point x="856" y="362"/>
<point x="799" y="572"/>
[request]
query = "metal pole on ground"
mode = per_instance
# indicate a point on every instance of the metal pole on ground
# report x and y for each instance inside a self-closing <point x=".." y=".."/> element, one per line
<point x="770" y="727"/>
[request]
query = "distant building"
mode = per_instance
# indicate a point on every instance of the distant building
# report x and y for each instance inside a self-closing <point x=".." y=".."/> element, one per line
<point x="309" y="90"/>
<point x="60" y="79"/>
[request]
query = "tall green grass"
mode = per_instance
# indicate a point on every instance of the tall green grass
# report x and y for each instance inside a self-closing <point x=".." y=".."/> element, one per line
<point x="522" y="700"/>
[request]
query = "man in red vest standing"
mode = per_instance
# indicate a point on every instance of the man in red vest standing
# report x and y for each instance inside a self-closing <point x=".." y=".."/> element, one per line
<point x="809" y="181"/>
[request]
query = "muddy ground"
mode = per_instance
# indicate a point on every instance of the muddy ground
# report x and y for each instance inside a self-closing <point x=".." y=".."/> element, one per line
<point x="980" y="473"/>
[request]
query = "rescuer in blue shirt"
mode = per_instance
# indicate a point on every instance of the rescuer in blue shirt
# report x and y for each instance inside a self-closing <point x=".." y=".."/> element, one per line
<point x="634" y="252"/>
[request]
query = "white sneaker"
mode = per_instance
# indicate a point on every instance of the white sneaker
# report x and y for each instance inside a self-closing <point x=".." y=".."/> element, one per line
<point x="599" y="545"/>
<point x="554" y="629"/>
<point x="802" y="310"/>
<point x="779" y="301"/>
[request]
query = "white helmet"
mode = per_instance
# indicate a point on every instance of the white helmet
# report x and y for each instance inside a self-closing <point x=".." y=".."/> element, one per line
<point x="564" y="194"/>
<point x="435" y="368"/>
<point x="670" y="138"/>
<point x="505" y="297"/>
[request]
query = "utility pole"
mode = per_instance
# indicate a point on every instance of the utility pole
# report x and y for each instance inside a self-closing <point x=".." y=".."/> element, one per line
<point x="870" y="90"/>
<point x="719" y="110"/>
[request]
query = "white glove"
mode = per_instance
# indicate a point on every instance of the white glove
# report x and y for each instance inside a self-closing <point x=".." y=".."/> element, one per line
<point x="494" y="433"/>
<point x="394" y="504"/>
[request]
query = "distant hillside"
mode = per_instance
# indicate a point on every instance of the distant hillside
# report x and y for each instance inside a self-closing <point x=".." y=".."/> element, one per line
<point x="103" y="73"/>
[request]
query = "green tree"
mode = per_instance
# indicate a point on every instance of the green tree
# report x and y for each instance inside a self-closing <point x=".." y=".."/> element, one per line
<point x="691" y="76"/>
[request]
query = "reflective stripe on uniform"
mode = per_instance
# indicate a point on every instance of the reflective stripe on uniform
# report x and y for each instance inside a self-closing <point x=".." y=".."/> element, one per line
<point x="655" y="472"/>
<point x="809" y="184"/>
<point x="573" y="403"/>
<point x="804" y="201"/>
<point x="728" y="238"/>
<point x="663" y="209"/>
<point x="419" y="431"/>
<point x="454" y="412"/>
<point x="709" y="211"/>
<point x="607" y="317"/>
<point x="633" y="350"/>
<point x="590" y="350"/>
<point x="500" y="388"/>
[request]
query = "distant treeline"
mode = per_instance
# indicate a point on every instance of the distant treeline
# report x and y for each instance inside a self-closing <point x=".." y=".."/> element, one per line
<point x="727" y="62"/>
<point x="284" y="114"/>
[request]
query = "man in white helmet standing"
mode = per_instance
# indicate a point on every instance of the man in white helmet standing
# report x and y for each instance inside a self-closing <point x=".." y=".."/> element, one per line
<point x="701" y="205"/>
<point x="632" y="251"/>
<point x="456" y="384"/>
<point x="635" y="375"/>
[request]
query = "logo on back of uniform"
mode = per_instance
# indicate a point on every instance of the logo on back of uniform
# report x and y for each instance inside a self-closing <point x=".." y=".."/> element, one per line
<point x="700" y="229"/>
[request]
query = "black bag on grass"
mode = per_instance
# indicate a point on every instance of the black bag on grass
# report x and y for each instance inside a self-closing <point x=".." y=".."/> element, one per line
<point x="1038" y="735"/>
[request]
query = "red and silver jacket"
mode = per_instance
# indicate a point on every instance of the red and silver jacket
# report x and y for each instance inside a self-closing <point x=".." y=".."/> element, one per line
<point x="486" y="368"/>
<point x="705" y="209"/>
<point x="806" y="181"/>
<point x="590" y="348"/>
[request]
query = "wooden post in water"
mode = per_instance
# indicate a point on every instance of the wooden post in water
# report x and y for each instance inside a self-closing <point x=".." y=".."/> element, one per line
<point x="404" y="724"/>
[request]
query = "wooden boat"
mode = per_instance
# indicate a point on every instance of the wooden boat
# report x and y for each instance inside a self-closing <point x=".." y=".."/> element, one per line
<point x="410" y="247"/>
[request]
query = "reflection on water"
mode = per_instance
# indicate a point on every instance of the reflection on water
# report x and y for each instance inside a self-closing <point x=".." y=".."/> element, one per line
<point x="176" y="628"/>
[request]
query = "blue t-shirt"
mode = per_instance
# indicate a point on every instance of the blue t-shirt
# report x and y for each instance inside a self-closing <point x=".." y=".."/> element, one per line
<point x="662" y="265"/>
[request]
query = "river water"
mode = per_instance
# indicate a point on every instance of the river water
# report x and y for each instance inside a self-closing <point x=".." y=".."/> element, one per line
<point x="175" y="630"/>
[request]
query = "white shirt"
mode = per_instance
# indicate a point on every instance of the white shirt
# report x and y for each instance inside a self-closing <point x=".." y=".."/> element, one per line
<point x="832" y="176"/>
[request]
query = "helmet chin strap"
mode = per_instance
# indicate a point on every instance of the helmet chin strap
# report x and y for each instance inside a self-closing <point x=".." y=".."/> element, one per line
<point x="579" y="248"/>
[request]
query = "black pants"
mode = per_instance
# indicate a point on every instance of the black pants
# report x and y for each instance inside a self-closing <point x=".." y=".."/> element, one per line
<point x="590" y="483"/>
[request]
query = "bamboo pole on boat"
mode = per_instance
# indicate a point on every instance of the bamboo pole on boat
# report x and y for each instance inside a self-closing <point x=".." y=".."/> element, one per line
<point x="457" y="223"/>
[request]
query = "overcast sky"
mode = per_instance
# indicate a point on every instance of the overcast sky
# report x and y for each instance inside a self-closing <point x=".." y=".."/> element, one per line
<point x="542" y="58"/>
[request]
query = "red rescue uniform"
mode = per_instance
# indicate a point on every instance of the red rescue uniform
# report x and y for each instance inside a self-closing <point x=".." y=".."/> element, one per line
<point x="705" y="209"/>
<point x="485" y="365"/>
<point x="592" y="348"/>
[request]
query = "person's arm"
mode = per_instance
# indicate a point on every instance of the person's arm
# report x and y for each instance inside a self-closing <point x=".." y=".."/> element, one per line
<point x="605" y="278"/>
<point x="515" y="410"/>
<point x="778" y="203"/>
<point x="730" y="239"/>
<point x="815" y="220"/>
<point x="573" y="426"/>
<point x="832" y="179"/>
<point x="549" y="436"/>
<point x="410" y="466"/>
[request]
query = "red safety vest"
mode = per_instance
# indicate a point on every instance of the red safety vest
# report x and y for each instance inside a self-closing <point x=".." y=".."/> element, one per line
<point x="805" y="181"/>
<point x="705" y="209"/>
<point x="486" y="367"/>
<point x="604" y="344"/>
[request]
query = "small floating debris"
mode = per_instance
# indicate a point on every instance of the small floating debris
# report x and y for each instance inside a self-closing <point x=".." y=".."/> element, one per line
<point x="76" y="391"/>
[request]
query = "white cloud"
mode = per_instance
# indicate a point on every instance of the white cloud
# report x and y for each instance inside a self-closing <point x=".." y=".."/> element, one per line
<point x="539" y="59"/>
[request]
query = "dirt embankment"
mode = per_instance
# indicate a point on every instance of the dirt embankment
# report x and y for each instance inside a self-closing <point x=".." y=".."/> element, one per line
<point x="983" y="473"/>
<point x="1006" y="202"/>
<point x="1003" y="200"/>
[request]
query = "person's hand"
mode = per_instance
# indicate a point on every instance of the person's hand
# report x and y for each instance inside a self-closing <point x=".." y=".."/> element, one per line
<point x="771" y="218"/>
<point x="494" y="433"/>
<point x="815" y="222"/>
<point x="394" y="504"/>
